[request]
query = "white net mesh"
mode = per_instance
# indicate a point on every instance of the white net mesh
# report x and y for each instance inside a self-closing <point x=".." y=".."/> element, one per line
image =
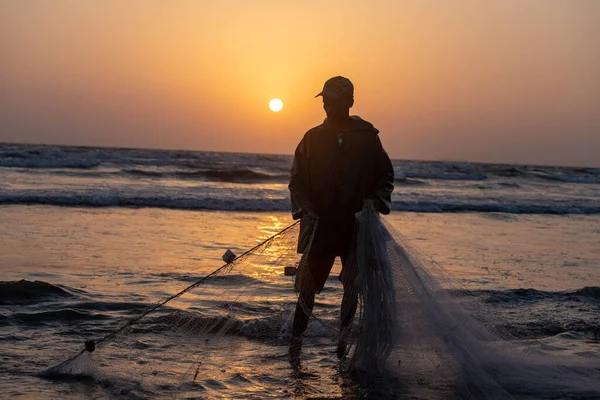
<point x="431" y="345"/>
<point x="410" y="337"/>
<point x="197" y="332"/>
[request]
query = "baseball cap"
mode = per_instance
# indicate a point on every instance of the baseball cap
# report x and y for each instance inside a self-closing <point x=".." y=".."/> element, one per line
<point x="338" y="86"/>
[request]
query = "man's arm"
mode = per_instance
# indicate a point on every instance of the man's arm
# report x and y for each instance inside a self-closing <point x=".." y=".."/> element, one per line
<point x="384" y="181"/>
<point x="299" y="182"/>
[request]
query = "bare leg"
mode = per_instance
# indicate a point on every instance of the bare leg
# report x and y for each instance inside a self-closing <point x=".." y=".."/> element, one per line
<point x="320" y="265"/>
<point x="304" y="307"/>
<point x="349" y="305"/>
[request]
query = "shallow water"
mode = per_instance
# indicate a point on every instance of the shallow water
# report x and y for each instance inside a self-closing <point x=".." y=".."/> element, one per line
<point x="535" y="276"/>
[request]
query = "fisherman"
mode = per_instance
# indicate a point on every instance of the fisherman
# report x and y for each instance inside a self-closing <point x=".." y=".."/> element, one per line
<point x="337" y="166"/>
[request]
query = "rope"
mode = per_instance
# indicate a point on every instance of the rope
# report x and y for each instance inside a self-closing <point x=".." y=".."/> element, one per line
<point x="106" y="339"/>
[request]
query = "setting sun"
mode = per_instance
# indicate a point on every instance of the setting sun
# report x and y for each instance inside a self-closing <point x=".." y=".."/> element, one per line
<point x="276" y="105"/>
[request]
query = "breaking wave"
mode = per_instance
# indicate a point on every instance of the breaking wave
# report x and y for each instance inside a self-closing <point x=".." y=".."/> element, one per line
<point x="553" y="311"/>
<point x="28" y="292"/>
<point x="58" y="317"/>
<point x="220" y="175"/>
<point x="452" y="176"/>
<point x="110" y="198"/>
<point x="588" y="293"/>
<point x="240" y="167"/>
<point x="489" y="207"/>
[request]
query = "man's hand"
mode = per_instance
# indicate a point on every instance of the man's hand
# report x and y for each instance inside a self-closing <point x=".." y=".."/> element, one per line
<point x="304" y="212"/>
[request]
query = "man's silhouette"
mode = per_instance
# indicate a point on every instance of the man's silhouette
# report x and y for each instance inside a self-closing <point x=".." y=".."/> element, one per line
<point x="337" y="166"/>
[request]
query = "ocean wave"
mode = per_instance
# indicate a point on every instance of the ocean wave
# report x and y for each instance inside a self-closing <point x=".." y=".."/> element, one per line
<point x="509" y="184"/>
<point x="47" y="156"/>
<point x="530" y="313"/>
<point x="221" y="175"/>
<point x="447" y="176"/>
<point x="235" y="175"/>
<point x="28" y="292"/>
<point x="573" y="177"/>
<point x="445" y="207"/>
<point x="144" y="173"/>
<point x="589" y="292"/>
<point x="109" y="199"/>
<point x="242" y="165"/>
<point x="547" y="327"/>
<point x="48" y="163"/>
<point x="506" y="171"/>
<point x="55" y="316"/>
<point x="121" y="306"/>
<point x="510" y="296"/>
<point x="403" y="180"/>
<point x="121" y="199"/>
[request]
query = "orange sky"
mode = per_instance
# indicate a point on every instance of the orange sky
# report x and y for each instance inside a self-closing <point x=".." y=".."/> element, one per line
<point x="494" y="81"/>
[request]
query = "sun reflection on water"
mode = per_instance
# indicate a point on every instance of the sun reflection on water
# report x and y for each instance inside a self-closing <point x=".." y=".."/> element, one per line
<point x="280" y="252"/>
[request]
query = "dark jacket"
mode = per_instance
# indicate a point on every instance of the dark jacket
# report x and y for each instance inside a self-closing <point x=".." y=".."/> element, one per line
<point x="333" y="173"/>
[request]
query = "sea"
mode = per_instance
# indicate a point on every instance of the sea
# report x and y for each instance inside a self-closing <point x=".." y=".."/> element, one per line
<point x="90" y="237"/>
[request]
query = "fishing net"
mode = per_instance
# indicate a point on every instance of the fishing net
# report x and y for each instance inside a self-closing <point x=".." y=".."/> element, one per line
<point x="198" y="333"/>
<point x="414" y="338"/>
<point x="409" y="337"/>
